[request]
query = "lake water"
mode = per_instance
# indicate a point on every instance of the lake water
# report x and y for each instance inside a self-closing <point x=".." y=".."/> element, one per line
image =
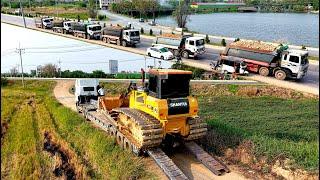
<point x="293" y="28"/>
<point x="42" y="48"/>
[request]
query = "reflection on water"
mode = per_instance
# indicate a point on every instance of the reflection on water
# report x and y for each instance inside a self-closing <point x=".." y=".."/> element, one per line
<point x="293" y="28"/>
<point x="42" y="48"/>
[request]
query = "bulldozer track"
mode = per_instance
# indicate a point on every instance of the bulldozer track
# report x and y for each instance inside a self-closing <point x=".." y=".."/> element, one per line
<point x="198" y="129"/>
<point x="151" y="130"/>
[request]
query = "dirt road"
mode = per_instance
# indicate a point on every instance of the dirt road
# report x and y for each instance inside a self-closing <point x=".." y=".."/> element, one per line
<point x="188" y="164"/>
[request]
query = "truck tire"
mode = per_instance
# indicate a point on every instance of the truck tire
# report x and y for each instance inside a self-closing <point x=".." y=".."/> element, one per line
<point x="108" y="40"/>
<point x="280" y="74"/>
<point x="185" y="54"/>
<point x="149" y="54"/>
<point x="176" y="52"/>
<point x="124" y="43"/>
<point x="162" y="58"/>
<point x="263" y="71"/>
<point x="88" y="37"/>
<point x="118" y="42"/>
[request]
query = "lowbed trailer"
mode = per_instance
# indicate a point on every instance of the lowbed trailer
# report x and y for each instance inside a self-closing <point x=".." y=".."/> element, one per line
<point x="105" y="121"/>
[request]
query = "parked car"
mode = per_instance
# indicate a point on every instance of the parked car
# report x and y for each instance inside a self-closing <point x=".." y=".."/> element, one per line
<point x="160" y="52"/>
<point x="141" y="20"/>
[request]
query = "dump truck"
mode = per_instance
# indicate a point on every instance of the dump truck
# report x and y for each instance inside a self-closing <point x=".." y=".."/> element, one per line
<point x="121" y="36"/>
<point x="44" y="22"/>
<point x="89" y="31"/>
<point x="161" y="113"/>
<point x="268" y="59"/>
<point x="181" y="45"/>
<point x="63" y="27"/>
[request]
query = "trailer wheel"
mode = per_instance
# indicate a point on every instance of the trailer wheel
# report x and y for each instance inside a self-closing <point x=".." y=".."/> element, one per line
<point x="118" y="43"/>
<point x="124" y="43"/>
<point x="104" y="40"/>
<point x="108" y="40"/>
<point x="185" y="54"/>
<point x="263" y="71"/>
<point x="280" y="74"/>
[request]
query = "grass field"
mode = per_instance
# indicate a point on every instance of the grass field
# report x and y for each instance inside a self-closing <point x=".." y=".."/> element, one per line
<point x="44" y="140"/>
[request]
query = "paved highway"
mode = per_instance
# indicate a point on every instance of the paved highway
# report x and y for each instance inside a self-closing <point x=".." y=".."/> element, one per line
<point x="309" y="84"/>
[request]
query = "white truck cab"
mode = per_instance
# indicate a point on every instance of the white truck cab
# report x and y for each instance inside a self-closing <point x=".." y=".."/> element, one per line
<point x="195" y="45"/>
<point x="131" y="36"/>
<point x="94" y="31"/>
<point x="86" y="89"/>
<point x="47" y="22"/>
<point x="67" y="25"/>
<point x="296" y="61"/>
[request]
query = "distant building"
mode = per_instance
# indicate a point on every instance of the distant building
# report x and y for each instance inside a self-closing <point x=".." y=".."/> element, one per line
<point x="104" y="4"/>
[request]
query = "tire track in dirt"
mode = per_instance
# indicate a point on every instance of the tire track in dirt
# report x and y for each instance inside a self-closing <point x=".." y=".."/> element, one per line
<point x="192" y="168"/>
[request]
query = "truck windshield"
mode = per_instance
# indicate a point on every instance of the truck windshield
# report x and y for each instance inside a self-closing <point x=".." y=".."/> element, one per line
<point x="68" y="24"/>
<point x="304" y="59"/>
<point x="200" y="42"/>
<point x="175" y="86"/>
<point x="96" y="28"/>
<point x="47" y="21"/>
<point x="163" y="50"/>
<point x="134" y="33"/>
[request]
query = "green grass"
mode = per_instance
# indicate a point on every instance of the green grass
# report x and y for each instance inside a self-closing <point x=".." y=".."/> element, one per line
<point x="92" y="153"/>
<point x="83" y="16"/>
<point x="275" y="126"/>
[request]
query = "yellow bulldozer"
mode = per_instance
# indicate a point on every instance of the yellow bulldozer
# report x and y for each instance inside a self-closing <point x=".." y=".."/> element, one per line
<point x="160" y="109"/>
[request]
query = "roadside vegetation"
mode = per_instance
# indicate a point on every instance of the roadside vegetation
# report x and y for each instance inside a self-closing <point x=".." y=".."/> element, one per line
<point x="45" y="140"/>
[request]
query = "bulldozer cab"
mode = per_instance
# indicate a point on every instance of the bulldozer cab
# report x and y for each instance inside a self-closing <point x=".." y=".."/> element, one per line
<point x="169" y="83"/>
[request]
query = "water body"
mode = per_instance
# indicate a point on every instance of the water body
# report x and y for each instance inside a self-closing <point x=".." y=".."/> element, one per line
<point x="292" y="28"/>
<point x="42" y="48"/>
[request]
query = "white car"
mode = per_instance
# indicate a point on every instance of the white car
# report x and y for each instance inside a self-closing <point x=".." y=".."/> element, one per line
<point x="160" y="52"/>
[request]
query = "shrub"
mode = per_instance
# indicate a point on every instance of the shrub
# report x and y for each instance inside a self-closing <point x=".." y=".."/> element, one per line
<point x="207" y="39"/>
<point x="223" y="42"/>
<point x="4" y="81"/>
<point x="102" y="17"/>
<point x="151" y="32"/>
<point x="236" y="40"/>
<point x="142" y="30"/>
<point x="303" y="47"/>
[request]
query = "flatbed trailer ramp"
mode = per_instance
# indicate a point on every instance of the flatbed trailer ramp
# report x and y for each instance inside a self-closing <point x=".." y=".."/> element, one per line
<point x="105" y="122"/>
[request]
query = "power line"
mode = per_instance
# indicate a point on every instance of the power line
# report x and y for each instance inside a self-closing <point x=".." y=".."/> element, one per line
<point x="19" y="50"/>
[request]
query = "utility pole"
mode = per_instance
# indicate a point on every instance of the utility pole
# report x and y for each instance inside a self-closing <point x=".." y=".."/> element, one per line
<point x="56" y="8"/>
<point x="24" y="20"/>
<point x="59" y="67"/>
<point x="29" y="7"/>
<point x="19" y="50"/>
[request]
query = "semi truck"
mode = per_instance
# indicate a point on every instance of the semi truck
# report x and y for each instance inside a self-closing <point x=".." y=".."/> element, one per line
<point x="44" y="22"/>
<point x="63" y="27"/>
<point x="181" y="45"/>
<point x="89" y="31"/>
<point x="121" y="36"/>
<point x="150" y="117"/>
<point x="267" y="59"/>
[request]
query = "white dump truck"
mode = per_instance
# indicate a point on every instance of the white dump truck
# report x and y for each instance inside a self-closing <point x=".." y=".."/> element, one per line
<point x="121" y="36"/>
<point x="89" y="31"/>
<point x="184" y="45"/>
<point x="267" y="59"/>
<point x="44" y="22"/>
<point x="62" y="26"/>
